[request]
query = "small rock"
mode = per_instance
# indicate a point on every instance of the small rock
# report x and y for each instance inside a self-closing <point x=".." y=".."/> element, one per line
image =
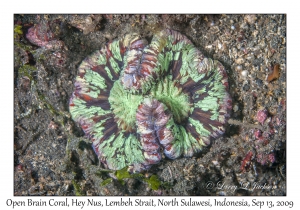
<point x="244" y="73"/>
<point x="235" y="108"/>
<point x="261" y="116"/>
<point x="246" y="87"/>
<point x="250" y="19"/>
<point x="238" y="68"/>
<point x="259" y="82"/>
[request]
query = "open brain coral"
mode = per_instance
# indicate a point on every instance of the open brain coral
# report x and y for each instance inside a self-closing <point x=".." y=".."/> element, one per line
<point x="136" y="101"/>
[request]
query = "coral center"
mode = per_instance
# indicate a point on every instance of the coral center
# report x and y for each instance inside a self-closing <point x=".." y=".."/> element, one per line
<point x="124" y="105"/>
<point x="170" y="94"/>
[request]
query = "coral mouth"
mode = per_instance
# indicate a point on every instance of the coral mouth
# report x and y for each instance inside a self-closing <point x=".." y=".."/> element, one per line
<point x="170" y="94"/>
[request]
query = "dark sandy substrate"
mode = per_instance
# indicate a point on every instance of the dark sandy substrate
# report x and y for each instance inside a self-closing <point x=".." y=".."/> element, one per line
<point x="52" y="157"/>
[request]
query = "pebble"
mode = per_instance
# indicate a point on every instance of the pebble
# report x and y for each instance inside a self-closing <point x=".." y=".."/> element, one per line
<point x="215" y="162"/>
<point x="235" y="108"/>
<point x="238" y="68"/>
<point x="246" y="87"/>
<point x="259" y="82"/>
<point x="250" y="57"/>
<point x="239" y="61"/>
<point x="88" y="20"/>
<point x="244" y="73"/>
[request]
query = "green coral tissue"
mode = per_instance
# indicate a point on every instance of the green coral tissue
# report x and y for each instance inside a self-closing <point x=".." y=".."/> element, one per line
<point x="139" y="102"/>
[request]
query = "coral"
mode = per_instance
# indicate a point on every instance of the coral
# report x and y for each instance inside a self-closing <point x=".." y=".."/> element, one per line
<point x="265" y="159"/>
<point x="137" y="101"/>
<point x="258" y="134"/>
<point x="262" y="115"/>
<point x="40" y="34"/>
<point x="52" y="48"/>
